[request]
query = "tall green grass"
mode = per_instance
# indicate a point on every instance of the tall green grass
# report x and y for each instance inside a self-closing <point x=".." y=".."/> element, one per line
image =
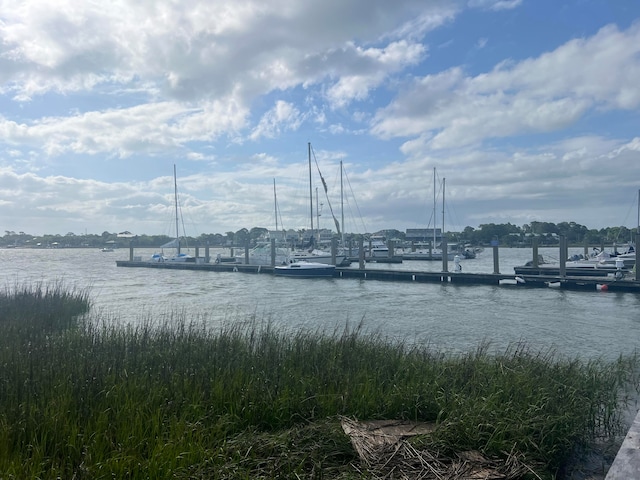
<point x="87" y="398"/>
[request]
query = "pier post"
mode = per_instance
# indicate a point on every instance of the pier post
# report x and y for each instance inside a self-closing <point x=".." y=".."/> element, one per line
<point x="563" y="256"/>
<point x="197" y="251"/>
<point x="207" y="257"/>
<point x="273" y="252"/>
<point x="445" y="254"/>
<point x="334" y="250"/>
<point x="131" y="250"/>
<point x="496" y="259"/>
<point x="246" y="253"/>
<point x="586" y="249"/>
<point x="534" y="244"/>
<point x="361" y="254"/>
<point x="390" y="244"/>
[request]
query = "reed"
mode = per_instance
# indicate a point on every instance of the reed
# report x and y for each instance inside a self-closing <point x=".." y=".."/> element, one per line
<point x="89" y="398"/>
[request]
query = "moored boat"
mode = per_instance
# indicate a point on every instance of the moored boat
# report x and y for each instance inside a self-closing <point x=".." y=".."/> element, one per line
<point x="600" y="265"/>
<point x="261" y="255"/>
<point x="176" y="242"/>
<point x="305" y="270"/>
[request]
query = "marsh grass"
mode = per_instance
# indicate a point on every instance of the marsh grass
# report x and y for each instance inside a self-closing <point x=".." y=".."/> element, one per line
<point x="92" y="399"/>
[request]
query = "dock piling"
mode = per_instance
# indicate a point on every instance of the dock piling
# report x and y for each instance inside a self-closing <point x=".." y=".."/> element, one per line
<point x="273" y="252"/>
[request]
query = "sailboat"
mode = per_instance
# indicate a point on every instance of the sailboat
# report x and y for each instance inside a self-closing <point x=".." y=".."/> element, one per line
<point x="261" y="253"/>
<point x="178" y="256"/>
<point x="431" y="253"/>
<point x="313" y="254"/>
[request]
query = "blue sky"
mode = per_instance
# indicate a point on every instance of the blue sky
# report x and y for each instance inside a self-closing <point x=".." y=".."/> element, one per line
<point x="530" y="109"/>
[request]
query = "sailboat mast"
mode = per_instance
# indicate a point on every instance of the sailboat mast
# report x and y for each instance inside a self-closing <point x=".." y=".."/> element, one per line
<point x="275" y="203"/>
<point x="175" y="195"/>
<point x="317" y="216"/>
<point x="310" y="190"/>
<point x="341" y="206"/>
<point x="434" y="208"/>
<point x="443" y="180"/>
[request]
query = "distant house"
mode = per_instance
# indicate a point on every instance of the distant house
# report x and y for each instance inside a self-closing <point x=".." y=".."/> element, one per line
<point x="416" y="235"/>
<point x="325" y="235"/>
<point x="289" y="236"/>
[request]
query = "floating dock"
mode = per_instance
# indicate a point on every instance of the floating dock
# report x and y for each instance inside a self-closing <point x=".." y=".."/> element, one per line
<point x="620" y="281"/>
<point x="590" y="283"/>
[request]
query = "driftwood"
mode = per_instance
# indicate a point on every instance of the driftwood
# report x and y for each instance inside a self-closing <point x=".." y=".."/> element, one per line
<point x="385" y="452"/>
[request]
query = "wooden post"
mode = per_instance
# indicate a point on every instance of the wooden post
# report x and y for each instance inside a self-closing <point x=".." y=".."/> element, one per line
<point x="273" y="252"/>
<point x="246" y="253"/>
<point x="534" y="243"/>
<point x="207" y="257"/>
<point x="563" y="256"/>
<point x="131" y="250"/>
<point x="390" y="249"/>
<point x="445" y="254"/>
<point x="361" y="253"/>
<point x="496" y="260"/>
<point x="197" y="251"/>
<point x="334" y="250"/>
<point x="586" y="249"/>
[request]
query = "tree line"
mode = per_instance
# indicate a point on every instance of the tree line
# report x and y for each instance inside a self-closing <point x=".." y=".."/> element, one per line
<point x="505" y="234"/>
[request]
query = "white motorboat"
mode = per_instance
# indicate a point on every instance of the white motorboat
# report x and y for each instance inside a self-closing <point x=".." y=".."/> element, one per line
<point x="261" y="255"/>
<point x="596" y="264"/>
<point x="318" y="256"/>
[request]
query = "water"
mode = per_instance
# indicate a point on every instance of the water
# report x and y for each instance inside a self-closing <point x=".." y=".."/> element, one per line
<point x="448" y="317"/>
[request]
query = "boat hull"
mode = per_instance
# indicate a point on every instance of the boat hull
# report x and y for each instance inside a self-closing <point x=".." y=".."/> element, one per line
<point x="305" y="270"/>
<point x="340" y="260"/>
<point x="569" y="271"/>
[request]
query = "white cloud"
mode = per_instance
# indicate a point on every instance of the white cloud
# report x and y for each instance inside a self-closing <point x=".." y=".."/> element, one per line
<point x="283" y="115"/>
<point x="145" y="128"/>
<point x="190" y="50"/>
<point x="495" y="5"/>
<point x="540" y="94"/>
<point x="370" y="68"/>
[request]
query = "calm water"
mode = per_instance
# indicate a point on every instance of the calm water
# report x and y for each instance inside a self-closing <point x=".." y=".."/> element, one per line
<point x="448" y="317"/>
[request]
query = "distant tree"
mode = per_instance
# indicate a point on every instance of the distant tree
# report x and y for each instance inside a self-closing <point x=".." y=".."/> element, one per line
<point x="256" y="232"/>
<point x="241" y="237"/>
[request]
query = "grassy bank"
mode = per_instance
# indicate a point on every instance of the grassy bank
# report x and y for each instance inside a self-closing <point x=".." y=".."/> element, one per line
<point x="83" y="398"/>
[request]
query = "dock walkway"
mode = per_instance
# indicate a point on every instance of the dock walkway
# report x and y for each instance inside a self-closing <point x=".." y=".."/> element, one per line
<point x="458" y="278"/>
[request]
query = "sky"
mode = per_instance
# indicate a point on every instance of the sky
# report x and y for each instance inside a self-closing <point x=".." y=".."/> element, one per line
<point x="491" y="111"/>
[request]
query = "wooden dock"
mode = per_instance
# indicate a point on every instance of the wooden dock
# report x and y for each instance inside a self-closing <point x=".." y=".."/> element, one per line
<point x="507" y="280"/>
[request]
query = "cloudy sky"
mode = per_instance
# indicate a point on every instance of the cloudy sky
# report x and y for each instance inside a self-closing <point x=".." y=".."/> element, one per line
<point x="529" y="110"/>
